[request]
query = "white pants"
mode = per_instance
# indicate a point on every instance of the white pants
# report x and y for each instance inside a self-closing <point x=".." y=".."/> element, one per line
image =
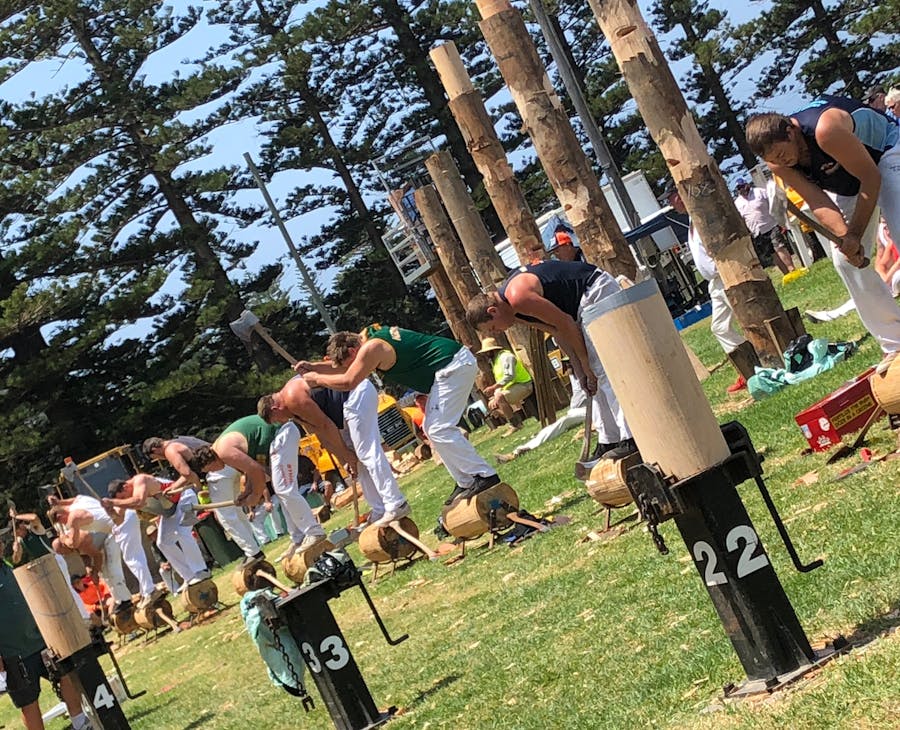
<point x="877" y="309"/>
<point x="128" y="538"/>
<point x="176" y="541"/>
<point x="572" y="418"/>
<point x="607" y="418"/>
<point x="112" y="571"/>
<point x="224" y="486"/>
<point x="61" y="562"/>
<point x="376" y="479"/>
<point x="722" y="324"/>
<point x="447" y="400"/>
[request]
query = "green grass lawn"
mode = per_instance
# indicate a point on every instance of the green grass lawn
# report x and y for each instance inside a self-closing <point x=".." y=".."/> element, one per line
<point x="566" y="633"/>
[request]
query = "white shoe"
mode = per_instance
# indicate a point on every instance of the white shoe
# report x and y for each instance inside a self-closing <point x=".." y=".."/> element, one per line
<point x="882" y="367"/>
<point x="200" y="577"/>
<point x="393" y="515"/>
<point x="309" y="541"/>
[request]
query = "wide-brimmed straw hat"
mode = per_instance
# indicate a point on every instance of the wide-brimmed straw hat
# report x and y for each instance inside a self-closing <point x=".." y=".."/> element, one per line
<point x="488" y="344"/>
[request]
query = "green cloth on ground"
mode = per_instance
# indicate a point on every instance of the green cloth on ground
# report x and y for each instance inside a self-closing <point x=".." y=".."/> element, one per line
<point x="825" y="356"/>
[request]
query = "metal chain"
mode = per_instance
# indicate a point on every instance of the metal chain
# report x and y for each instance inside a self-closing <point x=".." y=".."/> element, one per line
<point x="651" y="514"/>
<point x="270" y="616"/>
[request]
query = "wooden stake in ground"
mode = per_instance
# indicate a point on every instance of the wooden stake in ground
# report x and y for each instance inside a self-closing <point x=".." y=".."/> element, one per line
<point x="695" y="173"/>
<point x="484" y="146"/>
<point x="547" y="124"/>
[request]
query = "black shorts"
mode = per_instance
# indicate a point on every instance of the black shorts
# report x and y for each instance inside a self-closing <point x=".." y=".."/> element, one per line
<point x="23" y="678"/>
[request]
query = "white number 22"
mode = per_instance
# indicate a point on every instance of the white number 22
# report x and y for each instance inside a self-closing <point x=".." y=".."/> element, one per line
<point x="741" y="537"/>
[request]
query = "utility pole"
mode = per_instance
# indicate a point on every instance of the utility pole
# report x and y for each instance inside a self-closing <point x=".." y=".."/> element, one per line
<point x="310" y="284"/>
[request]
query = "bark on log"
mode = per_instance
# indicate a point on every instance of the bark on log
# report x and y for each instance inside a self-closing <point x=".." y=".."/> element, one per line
<point x="560" y="153"/>
<point x="481" y="139"/>
<point x="696" y="175"/>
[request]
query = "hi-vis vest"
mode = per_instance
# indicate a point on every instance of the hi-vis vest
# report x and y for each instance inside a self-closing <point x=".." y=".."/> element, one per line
<point x="520" y="374"/>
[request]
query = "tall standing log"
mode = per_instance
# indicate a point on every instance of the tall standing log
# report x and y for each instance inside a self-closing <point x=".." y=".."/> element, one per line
<point x="477" y="129"/>
<point x="696" y="175"/>
<point x="560" y="153"/>
<point x="456" y="269"/>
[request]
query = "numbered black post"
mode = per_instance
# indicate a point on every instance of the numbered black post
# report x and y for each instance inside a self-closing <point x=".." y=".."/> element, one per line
<point x="88" y="675"/>
<point x="312" y="624"/>
<point x="729" y="556"/>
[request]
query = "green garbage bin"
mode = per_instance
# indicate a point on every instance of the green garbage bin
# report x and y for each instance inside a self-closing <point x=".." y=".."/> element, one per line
<point x="220" y="546"/>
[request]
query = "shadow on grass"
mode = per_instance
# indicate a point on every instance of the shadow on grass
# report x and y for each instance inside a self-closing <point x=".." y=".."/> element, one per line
<point x="875" y="627"/>
<point x="202" y="720"/>
<point x="140" y="714"/>
<point x="434" y="689"/>
<point x="571" y="502"/>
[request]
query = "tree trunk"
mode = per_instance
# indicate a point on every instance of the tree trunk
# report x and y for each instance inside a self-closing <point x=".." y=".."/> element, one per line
<point x="484" y="146"/>
<point x="825" y="25"/>
<point x="455" y="267"/>
<point x="695" y="173"/>
<point x="555" y="142"/>
<point x="415" y="57"/>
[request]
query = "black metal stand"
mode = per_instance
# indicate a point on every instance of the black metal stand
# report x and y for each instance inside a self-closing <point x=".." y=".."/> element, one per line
<point x="310" y="621"/>
<point x="754" y="609"/>
<point x="90" y="678"/>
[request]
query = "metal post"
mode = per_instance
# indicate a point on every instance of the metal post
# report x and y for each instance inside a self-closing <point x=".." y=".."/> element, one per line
<point x="327" y="654"/>
<point x="308" y="281"/>
<point x="573" y="89"/>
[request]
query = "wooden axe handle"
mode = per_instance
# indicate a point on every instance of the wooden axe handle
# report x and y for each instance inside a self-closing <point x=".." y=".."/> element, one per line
<point x="514" y="517"/>
<point x="395" y="526"/>
<point x="261" y="331"/>
<point x="174" y="624"/>
<point x="819" y="228"/>
<point x="212" y="505"/>
<point x="273" y="580"/>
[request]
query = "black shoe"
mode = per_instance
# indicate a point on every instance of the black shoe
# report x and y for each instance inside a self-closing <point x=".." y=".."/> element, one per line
<point x="457" y="491"/>
<point x="481" y="483"/>
<point x="621" y="449"/>
<point x="250" y="559"/>
<point x="122" y="607"/>
<point x="440" y="532"/>
<point x="601" y="449"/>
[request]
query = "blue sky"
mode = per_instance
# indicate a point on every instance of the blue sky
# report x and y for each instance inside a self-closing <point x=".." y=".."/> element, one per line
<point x="231" y="142"/>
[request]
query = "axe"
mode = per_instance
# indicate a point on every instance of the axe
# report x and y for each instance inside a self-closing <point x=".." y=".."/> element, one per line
<point x="820" y="229"/>
<point x="247" y="323"/>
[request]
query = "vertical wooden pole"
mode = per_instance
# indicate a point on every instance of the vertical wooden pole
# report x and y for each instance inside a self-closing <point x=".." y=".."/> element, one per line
<point x="456" y="269"/>
<point x="694" y="171"/>
<point x="545" y="120"/>
<point x="477" y="130"/>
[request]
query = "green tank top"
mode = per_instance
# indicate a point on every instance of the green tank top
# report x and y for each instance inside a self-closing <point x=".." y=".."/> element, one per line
<point x="419" y="356"/>
<point x="258" y="433"/>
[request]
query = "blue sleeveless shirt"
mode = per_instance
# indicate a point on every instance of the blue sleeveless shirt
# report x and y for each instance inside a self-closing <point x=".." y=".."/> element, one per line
<point x="563" y="282"/>
<point x="877" y="132"/>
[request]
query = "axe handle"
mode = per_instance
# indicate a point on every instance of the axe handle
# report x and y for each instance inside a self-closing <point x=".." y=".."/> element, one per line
<point x="212" y="505"/>
<point x="819" y="228"/>
<point x="172" y="623"/>
<point x="395" y="526"/>
<point x="261" y="331"/>
<point x="273" y="580"/>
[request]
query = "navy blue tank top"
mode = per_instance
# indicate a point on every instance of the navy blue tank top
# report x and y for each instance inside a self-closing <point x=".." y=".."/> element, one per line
<point x="877" y="132"/>
<point x="331" y="402"/>
<point x="563" y="282"/>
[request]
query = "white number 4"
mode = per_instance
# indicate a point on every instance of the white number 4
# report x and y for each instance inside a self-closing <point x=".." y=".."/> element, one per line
<point x="747" y="562"/>
<point x="104" y="698"/>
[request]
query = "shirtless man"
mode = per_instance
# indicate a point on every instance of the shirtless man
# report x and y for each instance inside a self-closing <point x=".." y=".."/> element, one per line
<point x="174" y="540"/>
<point x="179" y="452"/>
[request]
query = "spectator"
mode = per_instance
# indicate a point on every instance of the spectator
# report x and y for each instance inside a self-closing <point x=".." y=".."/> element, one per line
<point x="768" y="237"/>
<point x="875" y="98"/>
<point x="512" y="384"/>
<point x="887" y="258"/>
<point x="892" y="103"/>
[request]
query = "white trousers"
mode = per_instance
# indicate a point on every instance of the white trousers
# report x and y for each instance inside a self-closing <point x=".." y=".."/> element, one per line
<point x="607" y="418"/>
<point x="128" y="538"/>
<point x="447" y="400"/>
<point x="572" y="418"/>
<point x="874" y="301"/>
<point x="376" y="479"/>
<point x="722" y="324"/>
<point x="224" y="486"/>
<point x="176" y="541"/>
<point x="297" y="513"/>
<point x="112" y="571"/>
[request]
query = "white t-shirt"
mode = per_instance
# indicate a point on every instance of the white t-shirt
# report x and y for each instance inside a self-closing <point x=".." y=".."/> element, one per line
<point x="102" y="521"/>
<point x="702" y="260"/>
<point x="283" y="457"/>
<point x="755" y="211"/>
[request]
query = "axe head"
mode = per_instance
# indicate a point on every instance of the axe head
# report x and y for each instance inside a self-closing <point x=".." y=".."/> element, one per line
<point x="244" y="325"/>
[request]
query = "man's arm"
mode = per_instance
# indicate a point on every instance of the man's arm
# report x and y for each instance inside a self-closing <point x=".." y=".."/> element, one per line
<point x="17" y="551"/>
<point x="823" y="207"/>
<point x="137" y="498"/>
<point x="835" y="136"/>
<point x="328" y="435"/>
<point x="320" y="366"/>
<point x="373" y="355"/>
<point x="525" y="299"/>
